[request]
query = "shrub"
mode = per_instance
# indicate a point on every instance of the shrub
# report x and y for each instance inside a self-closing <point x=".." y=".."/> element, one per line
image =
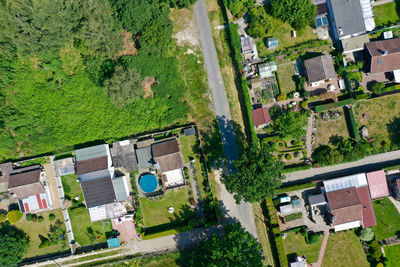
<point x="40" y="219"/>
<point x="366" y="234"/>
<point x="293" y="216"/>
<point x="354" y="76"/>
<point x="29" y="217"/>
<point x="281" y="144"/>
<point x="3" y="217"/>
<point x="353" y="129"/>
<point x="14" y="216"/>
<point x="293" y="142"/>
<point x="304" y="104"/>
<point x="52" y="217"/>
<point x="378" y="87"/>
<point x="34" y="218"/>
<point x="288" y="156"/>
<point x="334" y="105"/>
<point x="281" y="97"/>
<point x="312" y="238"/>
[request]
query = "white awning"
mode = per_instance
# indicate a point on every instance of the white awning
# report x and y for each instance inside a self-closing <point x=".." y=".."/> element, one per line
<point x="396" y="74"/>
<point x="174" y="177"/>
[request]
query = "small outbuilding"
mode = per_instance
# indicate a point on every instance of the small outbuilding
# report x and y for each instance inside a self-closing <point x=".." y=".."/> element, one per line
<point x="267" y="69"/>
<point x="286" y="209"/>
<point x="319" y="70"/>
<point x="377" y="184"/>
<point x="272" y="43"/>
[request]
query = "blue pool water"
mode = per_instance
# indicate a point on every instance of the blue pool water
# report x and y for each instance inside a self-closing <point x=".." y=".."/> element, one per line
<point x="148" y="183"/>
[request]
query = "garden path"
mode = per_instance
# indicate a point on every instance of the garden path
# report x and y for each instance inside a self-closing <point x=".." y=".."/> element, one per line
<point x="194" y="185"/>
<point x="322" y="250"/>
<point x="309" y="135"/>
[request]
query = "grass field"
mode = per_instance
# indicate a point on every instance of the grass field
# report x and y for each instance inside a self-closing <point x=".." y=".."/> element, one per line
<point x="155" y="212"/>
<point x="72" y="188"/>
<point x="286" y="75"/>
<point x="343" y="250"/>
<point x="387" y="218"/>
<point x="393" y="254"/>
<point x="85" y="231"/>
<point x="386" y="13"/>
<point x="295" y="243"/>
<point x="328" y="129"/>
<point x="34" y="229"/>
<point x="379" y="114"/>
<point x="262" y="234"/>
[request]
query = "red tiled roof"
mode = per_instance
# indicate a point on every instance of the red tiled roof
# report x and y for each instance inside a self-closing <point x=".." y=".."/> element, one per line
<point x="377" y="184"/>
<point x="367" y="209"/>
<point x="345" y="205"/>
<point x="260" y="116"/>
<point x="347" y="214"/>
<point x="381" y="62"/>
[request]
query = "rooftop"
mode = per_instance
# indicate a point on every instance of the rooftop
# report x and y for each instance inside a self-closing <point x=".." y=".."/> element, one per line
<point x="316" y="199"/>
<point x="91" y="152"/>
<point x="356" y="43"/>
<point x="377" y="184"/>
<point x="24" y="176"/>
<point x="367" y="208"/>
<point x="385" y="55"/>
<point x="123" y="155"/>
<point x="343" y="198"/>
<point x="356" y="180"/>
<point x="98" y="192"/>
<point x="165" y="148"/>
<point x="260" y="116"/>
<point x="348" y="17"/>
<point x="91" y="165"/>
<point x="169" y="162"/>
<point x="319" y="68"/>
<point x="144" y="157"/>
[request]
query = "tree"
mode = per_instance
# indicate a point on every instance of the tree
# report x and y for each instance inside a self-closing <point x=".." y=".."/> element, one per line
<point x="366" y="234"/>
<point x="13" y="244"/>
<point x="259" y="22"/>
<point x="326" y="156"/>
<point x="57" y="233"/>
<point x="236" y="247"/>
<point x="377" y="87"/>
<point x="258" y="174"/>
<point x="291" y="124"/>
<point x="298" y="13"/>
<point x="124" y="86"/>
<point x="14" y="216"/>
<point x="239" y="7"/>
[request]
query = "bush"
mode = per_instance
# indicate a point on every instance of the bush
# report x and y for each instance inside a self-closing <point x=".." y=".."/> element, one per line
<point x="29" y="217"/>
<point x="366" y="234"/>
<point x="304" y="104"/>
<point x="34" y="218"/>
<point x="334" y="105"/>
<point x="296" y="167"/>
<point x="378" y="87"/>
<point x="52" y="217"/>
<point x="312" y="238"/>
<point x="354" y="76"/>
<point x="281" y="97"/>
<point x="353" y="129"/>
<point x="281" y="144"/>
<point x="14" y="216"/>
<point x="293" y="216"/>
<point x="40" y="219"/>
<point x="363" y="96"/>
<point x="288" y="156"/>
<point x="3" y="217"/>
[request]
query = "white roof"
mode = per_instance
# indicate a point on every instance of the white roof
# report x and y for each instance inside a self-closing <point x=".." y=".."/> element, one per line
<point x="396" y="74"/>
<point x="174" y="177"/>
<point x="98" y="213"/>
<point x="92" y="152"/>
<point x="356" y="180"/>
<point x="388" y="35"/>
<point x="286" y="209"/>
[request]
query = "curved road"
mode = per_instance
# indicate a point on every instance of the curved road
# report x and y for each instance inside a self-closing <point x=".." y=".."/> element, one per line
<point x="242" y="212"/>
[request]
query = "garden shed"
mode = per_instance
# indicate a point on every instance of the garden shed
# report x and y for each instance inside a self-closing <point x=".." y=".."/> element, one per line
<point x="272" y="43"/>
<point x="286" y="209"/>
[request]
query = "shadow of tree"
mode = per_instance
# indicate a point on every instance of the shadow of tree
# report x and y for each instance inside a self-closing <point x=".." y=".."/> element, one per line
<point x="393" y="128"/>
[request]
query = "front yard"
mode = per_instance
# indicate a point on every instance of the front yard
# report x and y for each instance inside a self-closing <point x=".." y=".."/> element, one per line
<point x="155" y="211"/>
<point x="326" y="130"/>
<point x="387" y="218"/>
<point x="295" y="244"/>
<point x="40" y="230"/>
<point x="393" y="254"/>
<point x="344" y="249"/>
<point x="386" y="13"/>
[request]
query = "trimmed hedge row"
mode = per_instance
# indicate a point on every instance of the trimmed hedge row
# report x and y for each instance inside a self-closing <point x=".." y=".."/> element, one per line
<point x="293" y="216"/>
<point x="334" y="105"/>
<point x="296" y="167"/>
<point x="352" y="125"/>
<point x="291" y="188"/>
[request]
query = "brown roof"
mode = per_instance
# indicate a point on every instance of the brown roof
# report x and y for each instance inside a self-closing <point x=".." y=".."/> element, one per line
<point x="367" y="208"/>
<point x="169" y="162"/>
<point x="91" y="165"/>
<point x="319" y="68"/>
<point x="165" y="148"/>
<point x="27" y="190"/>
<point x="347" y="214"/>
<point x="381" y="62"/>
<point x="24" y="178"/>
<point x="5" y="170"/>
<point x="345" y="205"/>
<point x="260" y="116"/>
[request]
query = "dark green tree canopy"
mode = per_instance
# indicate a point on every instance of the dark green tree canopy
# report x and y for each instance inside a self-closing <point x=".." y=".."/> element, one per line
<point x="236" y="247"/>
<point x="326" y="156"/>
<point x="239" y="7"/>
<point x="291" y="124"/>
<point x="259" y="22"/>
<point x="298" y="13"/>
<point x="13" y="244"/>
<point x="258" y="174"/>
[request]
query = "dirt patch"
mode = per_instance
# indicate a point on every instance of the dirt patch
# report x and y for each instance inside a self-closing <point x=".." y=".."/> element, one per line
<point x="128" y="46"/>
<point x="185" y="29"/>
<point x="147" y="83"/>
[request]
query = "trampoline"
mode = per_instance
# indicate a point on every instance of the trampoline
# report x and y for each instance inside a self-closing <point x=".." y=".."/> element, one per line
<point x="148" y="183"/>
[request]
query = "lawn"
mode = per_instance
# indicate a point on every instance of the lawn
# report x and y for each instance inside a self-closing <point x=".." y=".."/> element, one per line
<point x="393" y="254"/>
<point x="155" y="212"/>
<point x="344" y="249"/>
<point x="379" y="113"/>
<point x="328" y="129"/>
<point x="34" y="229"/>
<point x="85" y="231"/>
<point x="286" y="75"/>
<point x="387" y="218"/>
<point x="72" y="188"/>
<point x="187" y="143"/>
<point x="386" y="13"/>
<point x="295" y="243"/>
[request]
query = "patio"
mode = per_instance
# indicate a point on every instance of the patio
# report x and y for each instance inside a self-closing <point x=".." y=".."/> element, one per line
<point x="322" y="88"/>
<point x="126" y="228"/>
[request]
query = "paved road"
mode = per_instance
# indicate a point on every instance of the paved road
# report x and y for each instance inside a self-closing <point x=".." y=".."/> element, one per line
<point x="370" y="163"/>
<point x="243" y="212"/>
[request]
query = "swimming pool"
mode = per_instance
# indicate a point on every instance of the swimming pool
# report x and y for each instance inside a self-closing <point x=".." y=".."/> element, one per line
<point x="148" y="183"/>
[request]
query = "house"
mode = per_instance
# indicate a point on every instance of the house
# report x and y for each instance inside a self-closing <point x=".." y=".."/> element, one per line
<point x="354" y="44"/>
<point x="145" y="160"/>
<point x="349" y="202"/>
<point x="319" y="69"/>
<point x="29" y="186"/>
<point x="102" y="186"/>
<point x="260" y="117"/>
<point x="272" y="43"/>
<point x="169" y="162"/>
<point x="267" y="69"/>
<point x="350" y="18"/>
<point x="384" y="56"/>
<point x="123" y="155"/>
<point x="377" y="184"/>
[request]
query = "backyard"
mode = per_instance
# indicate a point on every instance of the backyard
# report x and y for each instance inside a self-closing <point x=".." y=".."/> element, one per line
<point x="326" y="130"/>
<point x="344" y="249"/>
<point x="380" y="116"/>
<point x="155" y="212"/>
<point x="286" y="75"/>
<point x="392" y="253"/>
<point x="295" y="244"/>
<point x="386" y="13"/>
<point x="37" y="230"/>
<point x="387" y="218"/>
<point x="72" y="189"/>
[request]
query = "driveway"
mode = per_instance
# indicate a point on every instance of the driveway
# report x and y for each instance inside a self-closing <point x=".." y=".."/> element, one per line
<point x="242" y="212"/>
<point x="370" y="163"/>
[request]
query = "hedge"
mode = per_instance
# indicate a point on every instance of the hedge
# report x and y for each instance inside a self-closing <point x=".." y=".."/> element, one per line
<point x="363" y="96"/>
<point x="334" y="105"/>
<point x="291" y="188"/>
<point x="293" y="216"/>
<point x="281" y="251"/>
<point x="296" y="167"/>
<point x="31" y="162"/>
<point x="352" y="125"/>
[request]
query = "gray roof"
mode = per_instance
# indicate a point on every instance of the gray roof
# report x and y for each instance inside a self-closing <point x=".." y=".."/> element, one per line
<point x="91" y="152"/>
<point x="189" y="131"/>
<point x="316" y="199"/>
<point x="123" y="155"/>
<point x="319" y="68"/>
<point x="120" y="188"/>
<point x="98" y="192"/>
<point x="355" y="43"/>
<point x="348" y="16"/>
<point x="144" y="157"/>
<point x="286" y="209"/>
